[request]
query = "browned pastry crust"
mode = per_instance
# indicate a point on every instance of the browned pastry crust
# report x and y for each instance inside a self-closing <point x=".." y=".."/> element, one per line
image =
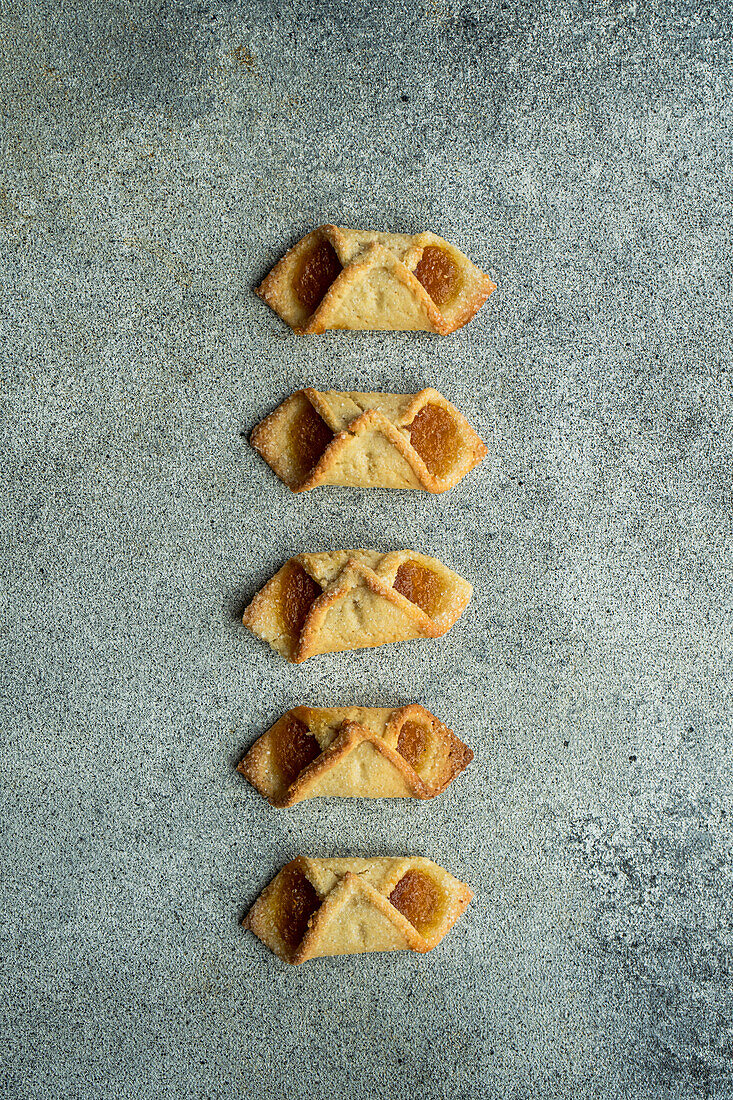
<point x="352" y="599"/>
<point x="387" y="440"/>
<point x="319" y="907"/>
<point x="354" y="752"/>
<point x="337" y="278"/>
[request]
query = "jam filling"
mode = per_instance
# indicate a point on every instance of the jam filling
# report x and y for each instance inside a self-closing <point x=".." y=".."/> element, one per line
<point x="417" y="897"/>
<point x="419" y="585"/>
<point x="317" y="270"/>
<point x="295" y="748"/>
<point x="438" y="274"/>
<point x="434" y="435"/>
<point x="298" y="593"/>
<point x="412" y="742"/>
<point x="296" y="903"/>
<point x="309" y="437"/>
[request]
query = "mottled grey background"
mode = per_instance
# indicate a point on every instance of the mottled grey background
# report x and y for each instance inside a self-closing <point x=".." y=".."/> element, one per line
<point x="157" y="157"/>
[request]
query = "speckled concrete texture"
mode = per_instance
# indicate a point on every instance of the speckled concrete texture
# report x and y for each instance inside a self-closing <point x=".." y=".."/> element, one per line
<point x="157" y="158"/>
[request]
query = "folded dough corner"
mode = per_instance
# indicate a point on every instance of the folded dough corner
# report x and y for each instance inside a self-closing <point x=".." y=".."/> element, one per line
<point x="353" y="599"/>
<point x="369" y="440"/>
<point x="337" y="278"/>
<point x="354" y="752"/>
<point x="319" y="907"/>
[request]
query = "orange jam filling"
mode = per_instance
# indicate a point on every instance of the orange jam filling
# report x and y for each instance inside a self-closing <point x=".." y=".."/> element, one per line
<point x="438" y="273"/>
<point x="298" y="592"/>
<point x="294" y="748"/>
<point x="420" y="586"/>
<point x="295" y="904"/>
<point x="317" y="270"/>
<point x="435" y="437"/>
<point x="412" y="742"/>
<point x="309" y="437"/>
<point x="417" y="897"/>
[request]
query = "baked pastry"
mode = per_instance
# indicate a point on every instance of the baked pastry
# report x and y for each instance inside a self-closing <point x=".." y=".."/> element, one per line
<point x="361" y="279"/>
<point x="351" y="599"/>
<point x="372" y="440"/>
<point x="317" y="907"/>
<point x="354" y="752"/>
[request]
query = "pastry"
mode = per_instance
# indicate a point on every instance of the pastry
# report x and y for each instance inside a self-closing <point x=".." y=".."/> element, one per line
<point x="372" y="440"/>
<point x="360" y="279"/>
<point x="350" y="599"/>
<point x="354" y="752"/>
<point x="317" y="907"/>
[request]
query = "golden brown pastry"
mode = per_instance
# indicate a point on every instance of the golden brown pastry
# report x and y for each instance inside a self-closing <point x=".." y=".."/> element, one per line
<point x="351" y="599"/>
<point x="354" y="752"/>
<point x="372" y="440"/>
<point x="317" y="907"/>
<point x="360" y="279"/>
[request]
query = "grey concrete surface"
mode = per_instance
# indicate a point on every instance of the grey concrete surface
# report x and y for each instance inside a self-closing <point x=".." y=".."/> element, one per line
<point x="157" y="157"/>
